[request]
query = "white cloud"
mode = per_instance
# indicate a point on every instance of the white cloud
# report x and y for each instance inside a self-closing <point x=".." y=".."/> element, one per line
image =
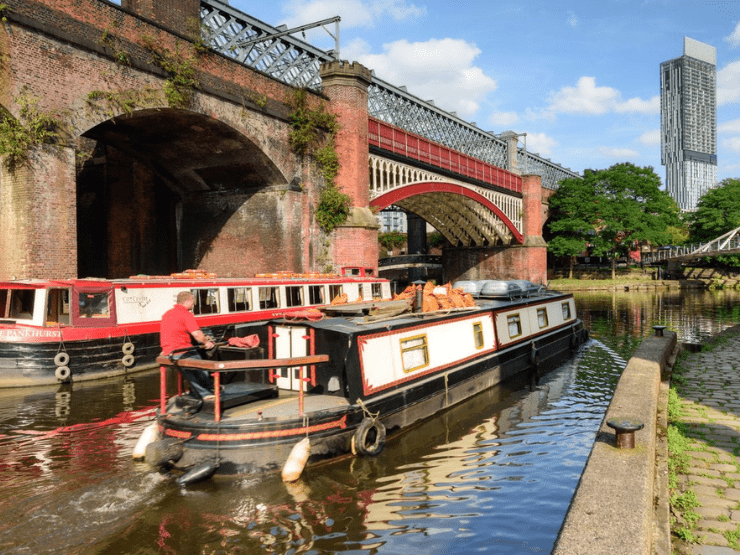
<point x="502" y="119"/>
<point x="586" y="98"/>
<point x="728" y="83"/>
<point x="438" y="69"/>
<point x="651" y="137"/>
<point x="540" y="143"/>
<point x="734" y="39"/>
<point x="572" y="19"/>
<point x="637" y="105"/>
<point x="732" y="126"/>
<point x="354" y="13"/>
<point x="618" y="153"/>
<point x="733" y="144"/>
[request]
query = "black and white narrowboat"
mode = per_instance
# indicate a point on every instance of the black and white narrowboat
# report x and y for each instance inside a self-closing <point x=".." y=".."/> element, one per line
<point x="54" y="331"/>
<point x="345" y="380"/>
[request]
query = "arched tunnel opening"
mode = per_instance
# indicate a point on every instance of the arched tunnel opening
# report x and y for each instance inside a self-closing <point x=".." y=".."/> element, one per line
<point x="158" y="191"/>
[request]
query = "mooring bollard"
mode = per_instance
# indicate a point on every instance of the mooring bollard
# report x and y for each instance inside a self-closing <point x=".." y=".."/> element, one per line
<point x="659" y="330"/>
<point x="625" y="429"/>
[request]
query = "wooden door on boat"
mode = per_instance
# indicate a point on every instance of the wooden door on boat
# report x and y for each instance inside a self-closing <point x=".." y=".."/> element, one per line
<point x="290" y="341"/>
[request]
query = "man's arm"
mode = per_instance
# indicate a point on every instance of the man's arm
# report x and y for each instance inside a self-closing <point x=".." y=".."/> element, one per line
<point x="201" y="338"/>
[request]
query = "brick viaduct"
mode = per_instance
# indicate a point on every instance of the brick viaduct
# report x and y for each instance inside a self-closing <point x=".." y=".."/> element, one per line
<point x="141" y="180"/>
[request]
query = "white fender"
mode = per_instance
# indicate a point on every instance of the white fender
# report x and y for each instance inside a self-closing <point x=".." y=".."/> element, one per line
<point x="150" y="433"/>
<point x="296" y="460"/>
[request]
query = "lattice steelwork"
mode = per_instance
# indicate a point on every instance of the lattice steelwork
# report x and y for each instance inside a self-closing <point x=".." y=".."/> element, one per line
<point x="296" y="63"/>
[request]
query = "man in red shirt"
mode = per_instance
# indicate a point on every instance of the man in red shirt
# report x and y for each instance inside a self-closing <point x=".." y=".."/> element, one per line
<point x="177" y="330"/>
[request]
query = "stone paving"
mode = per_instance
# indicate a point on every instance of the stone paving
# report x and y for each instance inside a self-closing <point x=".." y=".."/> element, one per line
<point x="708" y="386"/>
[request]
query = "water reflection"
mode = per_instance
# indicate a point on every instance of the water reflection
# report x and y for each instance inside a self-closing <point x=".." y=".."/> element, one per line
<point x="495" y="474"/>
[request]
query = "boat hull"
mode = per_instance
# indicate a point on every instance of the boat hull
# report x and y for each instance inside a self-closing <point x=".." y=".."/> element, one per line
<point x="248" y="446"/>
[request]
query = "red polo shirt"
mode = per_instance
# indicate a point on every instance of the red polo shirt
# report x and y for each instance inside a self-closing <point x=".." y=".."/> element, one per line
<point x="177" y="325"/>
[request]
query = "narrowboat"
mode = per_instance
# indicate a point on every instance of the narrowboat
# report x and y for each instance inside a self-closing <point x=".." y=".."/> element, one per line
<point x="347" y="378"/>
<point x="54" y="331"/>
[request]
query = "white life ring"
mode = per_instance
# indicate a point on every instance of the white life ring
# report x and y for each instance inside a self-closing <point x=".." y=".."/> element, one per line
<point x="128" y="348"/>
<point x="62" y="373"/>
<point x="62" y="359"/>
<point x="128" y="360"/>
<point x="369" y="438"/>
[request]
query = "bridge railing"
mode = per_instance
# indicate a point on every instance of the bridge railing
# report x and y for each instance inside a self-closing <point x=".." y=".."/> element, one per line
<point x="410" y="145"/>
<point x="254" y="43"/>
<point x="729" y="243"/>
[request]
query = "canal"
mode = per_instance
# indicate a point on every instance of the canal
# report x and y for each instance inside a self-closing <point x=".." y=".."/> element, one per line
<point x="493" y="475"/>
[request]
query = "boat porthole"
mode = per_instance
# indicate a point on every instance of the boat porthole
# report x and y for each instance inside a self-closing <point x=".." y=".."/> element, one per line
<point x="369" y="438"/>
<point x="62" y="373"/>
<point x="128" y="360"/>
<point x="128" y="348"/>
<point x="62" y="359"/>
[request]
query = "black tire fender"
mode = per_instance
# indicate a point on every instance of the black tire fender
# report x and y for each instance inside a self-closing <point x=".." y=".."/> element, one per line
<point x="369" y="438"/>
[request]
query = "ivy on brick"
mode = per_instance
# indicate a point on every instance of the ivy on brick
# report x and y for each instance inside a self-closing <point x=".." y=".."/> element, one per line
<point x="314" y="132"/>
<point x="180" y="66"/>
<point x="33" y="128"/>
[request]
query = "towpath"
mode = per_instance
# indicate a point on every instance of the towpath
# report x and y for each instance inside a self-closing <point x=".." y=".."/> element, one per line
<point x="706" y="491"/>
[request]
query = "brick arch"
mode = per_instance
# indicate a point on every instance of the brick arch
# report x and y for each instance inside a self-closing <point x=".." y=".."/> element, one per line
<point x="464" y="216"/>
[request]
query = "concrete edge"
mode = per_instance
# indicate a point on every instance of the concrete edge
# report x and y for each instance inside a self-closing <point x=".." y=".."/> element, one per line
<point x="613" y="509"/>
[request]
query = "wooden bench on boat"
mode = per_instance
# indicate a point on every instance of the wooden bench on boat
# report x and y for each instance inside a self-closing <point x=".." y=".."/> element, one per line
<point x="239" y="393"/>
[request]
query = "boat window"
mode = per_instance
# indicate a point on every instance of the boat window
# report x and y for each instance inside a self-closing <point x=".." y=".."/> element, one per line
<point x="57" y="306"/>
<point x="360" y="291"/>
<point x="294" y="295"/>
<point x="377" y="291"/>
<point x="515" y="325"/>
<point x="239" y="299"/>
<point x="334" y="291"/>
<point x="566" y="311"/>
<point x="316" y="294"/>
<point x="206" y="301"/>
<point x="269" y="297"/>
<point x="20" y="305"/>
<point x="94" y="304"/>
<point x="542" y="317"/>
<point x="414" y="353"/>
<point x="478" y="335"/>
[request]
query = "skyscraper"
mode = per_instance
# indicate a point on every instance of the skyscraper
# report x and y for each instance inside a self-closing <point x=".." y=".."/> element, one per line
<point x="688" y="122"/>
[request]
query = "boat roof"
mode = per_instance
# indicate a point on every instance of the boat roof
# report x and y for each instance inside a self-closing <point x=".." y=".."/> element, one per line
<point x="351" y="324"/>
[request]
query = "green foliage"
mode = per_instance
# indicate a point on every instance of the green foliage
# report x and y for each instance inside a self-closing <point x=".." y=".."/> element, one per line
<point x="314" y="133"/>
<point x="435" y="239"/>
<point x="3" y="11"/>
<point x="182" y="80"/>
<point x="119" y="54"/>
<point x="307" y="124"/>
<point x="611" y="210"/>
<point x="717" y="212"/>
<point x="391" y="240"/>
<point x="32" y="129"/>
<point x="126" y="101"/>
<point x="333" y="208"/>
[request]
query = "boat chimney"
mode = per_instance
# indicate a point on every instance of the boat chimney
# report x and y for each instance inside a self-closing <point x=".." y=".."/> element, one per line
<point x="419" y="299"/>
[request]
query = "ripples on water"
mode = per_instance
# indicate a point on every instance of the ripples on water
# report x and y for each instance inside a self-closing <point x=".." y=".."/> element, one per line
<point x="494" y="475"/>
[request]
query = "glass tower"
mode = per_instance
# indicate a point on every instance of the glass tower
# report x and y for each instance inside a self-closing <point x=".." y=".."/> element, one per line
<point x="688" y="122"/>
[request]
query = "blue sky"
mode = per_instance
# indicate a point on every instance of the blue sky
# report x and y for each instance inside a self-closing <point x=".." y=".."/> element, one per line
<point x="581" y="78"/>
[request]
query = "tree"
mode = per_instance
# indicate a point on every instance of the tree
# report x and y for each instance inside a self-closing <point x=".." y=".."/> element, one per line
<point x="611" y="210"/>
<point x="717" y="212"/>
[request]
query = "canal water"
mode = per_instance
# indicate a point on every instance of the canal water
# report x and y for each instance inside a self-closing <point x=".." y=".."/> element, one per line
<point x="494" y="475"/>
